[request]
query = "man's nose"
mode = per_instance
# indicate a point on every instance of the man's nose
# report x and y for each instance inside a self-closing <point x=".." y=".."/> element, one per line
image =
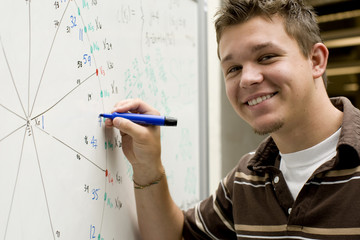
<point x="250" y="75"/>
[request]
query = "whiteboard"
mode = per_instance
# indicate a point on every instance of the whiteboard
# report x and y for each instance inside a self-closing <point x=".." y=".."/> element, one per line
<point x="63" y="62"/>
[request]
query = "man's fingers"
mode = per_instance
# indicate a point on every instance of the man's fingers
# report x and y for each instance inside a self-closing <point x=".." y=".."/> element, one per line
<point x="134" y="105"/>
<point x="127" y="127"/>
<point x="108" y="122"/>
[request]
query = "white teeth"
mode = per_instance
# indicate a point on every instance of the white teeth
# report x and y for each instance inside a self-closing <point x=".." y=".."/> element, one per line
<point x="259" y="99"/>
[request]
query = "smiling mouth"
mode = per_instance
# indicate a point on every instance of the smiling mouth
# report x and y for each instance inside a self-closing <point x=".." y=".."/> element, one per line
<point x="260" y="99"/>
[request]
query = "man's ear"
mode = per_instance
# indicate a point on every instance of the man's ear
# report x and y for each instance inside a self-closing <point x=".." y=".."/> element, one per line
<point x="319" y="57"/>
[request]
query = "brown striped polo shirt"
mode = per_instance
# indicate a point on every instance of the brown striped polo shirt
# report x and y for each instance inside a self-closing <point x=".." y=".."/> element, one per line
<point x="254" y="202"/>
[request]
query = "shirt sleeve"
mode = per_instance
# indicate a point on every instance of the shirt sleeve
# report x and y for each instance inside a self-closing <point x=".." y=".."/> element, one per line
<point x="213" y="217"/>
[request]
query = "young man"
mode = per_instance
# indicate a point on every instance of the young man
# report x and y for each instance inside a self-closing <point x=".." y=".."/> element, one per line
<point x="303" y="181"/>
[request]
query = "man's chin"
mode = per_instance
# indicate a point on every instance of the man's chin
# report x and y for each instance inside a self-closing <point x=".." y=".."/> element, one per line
<point x="264" y="130"/>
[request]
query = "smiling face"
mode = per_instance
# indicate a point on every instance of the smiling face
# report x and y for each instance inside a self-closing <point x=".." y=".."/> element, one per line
<point x="268" y="80"/>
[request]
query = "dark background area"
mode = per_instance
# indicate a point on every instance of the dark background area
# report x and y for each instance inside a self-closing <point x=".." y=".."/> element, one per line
<point x="339" y="22"/>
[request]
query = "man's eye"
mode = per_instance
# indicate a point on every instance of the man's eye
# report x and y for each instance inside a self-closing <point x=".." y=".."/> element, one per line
<point x="234" y="69"/>
<point x="266" y="57"/>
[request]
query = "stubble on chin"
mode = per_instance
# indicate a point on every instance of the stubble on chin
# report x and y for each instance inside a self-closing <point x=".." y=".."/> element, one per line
<point x="268" y="129"/>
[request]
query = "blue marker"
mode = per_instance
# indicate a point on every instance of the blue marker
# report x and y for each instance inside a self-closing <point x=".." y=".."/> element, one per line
<point x="145" y="119"/>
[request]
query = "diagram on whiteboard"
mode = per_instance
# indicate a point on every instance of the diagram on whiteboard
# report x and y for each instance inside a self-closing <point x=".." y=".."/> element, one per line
<point x="62" y="173"/>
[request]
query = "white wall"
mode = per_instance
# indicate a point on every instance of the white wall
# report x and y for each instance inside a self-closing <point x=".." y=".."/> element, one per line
<point x="214" y="84"/>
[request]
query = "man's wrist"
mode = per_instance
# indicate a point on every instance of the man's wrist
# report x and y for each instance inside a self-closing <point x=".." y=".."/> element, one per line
<point x="145" y="176"/>
<point x="156" y="181"/>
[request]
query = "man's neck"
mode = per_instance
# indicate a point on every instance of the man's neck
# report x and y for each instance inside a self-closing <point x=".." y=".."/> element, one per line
<point x="320" y="123"/>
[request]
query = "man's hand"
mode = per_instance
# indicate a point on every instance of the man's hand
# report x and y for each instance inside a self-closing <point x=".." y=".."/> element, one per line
<point x="141" y="144"/>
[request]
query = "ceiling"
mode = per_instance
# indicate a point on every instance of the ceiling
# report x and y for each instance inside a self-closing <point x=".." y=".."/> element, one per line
<point x="339" y="22"/>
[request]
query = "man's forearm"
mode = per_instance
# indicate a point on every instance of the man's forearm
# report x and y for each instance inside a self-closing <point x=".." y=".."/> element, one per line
<point x="158" y="216"/>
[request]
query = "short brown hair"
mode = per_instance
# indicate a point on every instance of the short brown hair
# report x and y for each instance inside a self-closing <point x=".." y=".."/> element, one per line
<point x="299" y="18"/>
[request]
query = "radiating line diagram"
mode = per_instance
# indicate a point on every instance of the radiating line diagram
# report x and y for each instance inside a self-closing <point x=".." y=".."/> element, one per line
<point x="54" y="165"/>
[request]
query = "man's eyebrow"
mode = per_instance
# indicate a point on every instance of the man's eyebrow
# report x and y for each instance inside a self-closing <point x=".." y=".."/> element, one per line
<point x="261" y="46"/>
<point x="227" y="58"/>
<point x="253" y="50"/>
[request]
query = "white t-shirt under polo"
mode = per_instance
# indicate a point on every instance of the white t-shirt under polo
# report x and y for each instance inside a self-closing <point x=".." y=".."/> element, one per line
<point x="297" y="167"/>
